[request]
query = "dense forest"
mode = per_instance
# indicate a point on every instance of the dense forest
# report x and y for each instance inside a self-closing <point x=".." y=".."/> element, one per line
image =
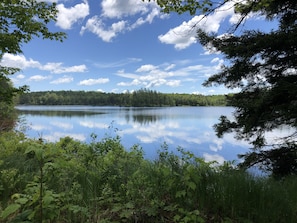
<point x="140" y="98"/>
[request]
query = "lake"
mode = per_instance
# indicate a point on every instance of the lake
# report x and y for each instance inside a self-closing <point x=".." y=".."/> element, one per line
<point x="188" y="127"/>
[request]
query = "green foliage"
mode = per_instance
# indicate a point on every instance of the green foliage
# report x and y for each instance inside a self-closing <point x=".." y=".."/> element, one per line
<point x="8" y="114"/>
<point x="179" y="6"/>
<point x="8" y="117"/>
<point x="279" y="161"/>
<point x="70" y="181"/>
<point x="140" y="98"/>
<point x="263" y="66"/>
<point x="20" y="22"/>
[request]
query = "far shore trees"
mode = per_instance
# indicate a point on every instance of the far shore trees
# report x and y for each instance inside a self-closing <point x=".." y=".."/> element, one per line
<point x="139" y="98"/>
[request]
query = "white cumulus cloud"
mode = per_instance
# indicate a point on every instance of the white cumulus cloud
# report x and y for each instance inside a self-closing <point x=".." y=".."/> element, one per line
<point x="184" y="35"/>
<point x="97" y="26"/>
<point x="18" y="61"/>
<point x="58" y="68"/>
<point x="94" y="81"/>
<point x="120" y="8"/>
<point x="62" y="80"/>
<point x="173" y="83"/>
<point x="149" y="75"/>
<point x="145" y="68"/>
<point x="21" y="62"/>
<point x="20" y="76"/>
<point x="215" y="157"/>
<point x="119" y="16"/>
<point x="68" y="16"/>
<point x="148" y="19"/>
<point x="39" y="78"/>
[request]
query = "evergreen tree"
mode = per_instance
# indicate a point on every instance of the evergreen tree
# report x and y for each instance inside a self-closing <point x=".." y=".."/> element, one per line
<point x="263" y="66"/>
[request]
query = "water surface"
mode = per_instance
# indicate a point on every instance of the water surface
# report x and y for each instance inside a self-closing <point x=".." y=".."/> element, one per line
<point x="188" y="127"/>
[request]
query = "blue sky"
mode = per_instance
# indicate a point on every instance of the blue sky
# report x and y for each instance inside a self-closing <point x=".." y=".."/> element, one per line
<point x="125" y="45"/>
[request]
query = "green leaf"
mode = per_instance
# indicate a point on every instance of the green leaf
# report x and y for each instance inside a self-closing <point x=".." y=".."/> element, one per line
<point x="48" y="198"/>
<point x="191" y="185"/>
<point x="37" y="150"/>
<point x="129" y="205"/>
<point x="126" y="214"/>
<point x="10" y="210"/>
<point x="22" y="200"/>
<point x="177" y="218"/>
<point x="180" y="194"/>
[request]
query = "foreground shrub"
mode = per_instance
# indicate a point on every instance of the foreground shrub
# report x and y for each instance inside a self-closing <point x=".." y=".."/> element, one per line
<point x="71" y="181"/>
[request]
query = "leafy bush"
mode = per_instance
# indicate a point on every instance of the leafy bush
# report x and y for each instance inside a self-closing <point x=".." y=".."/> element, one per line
<point x="71" y="181"/>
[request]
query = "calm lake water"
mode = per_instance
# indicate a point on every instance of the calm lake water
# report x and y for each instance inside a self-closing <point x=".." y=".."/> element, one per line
<point x="186" y="127"/>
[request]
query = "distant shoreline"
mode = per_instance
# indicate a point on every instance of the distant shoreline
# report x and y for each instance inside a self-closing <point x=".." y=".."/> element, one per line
<point x="141" y="98"/>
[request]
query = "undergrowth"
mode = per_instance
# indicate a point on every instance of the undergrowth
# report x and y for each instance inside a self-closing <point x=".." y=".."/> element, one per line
<point x="70" y="181"/>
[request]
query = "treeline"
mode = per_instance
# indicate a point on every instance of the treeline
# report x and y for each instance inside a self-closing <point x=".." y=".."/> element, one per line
<point x="140" y="98"/>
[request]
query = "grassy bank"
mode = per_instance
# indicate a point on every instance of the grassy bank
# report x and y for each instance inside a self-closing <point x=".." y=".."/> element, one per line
<point x="70" y="181"/>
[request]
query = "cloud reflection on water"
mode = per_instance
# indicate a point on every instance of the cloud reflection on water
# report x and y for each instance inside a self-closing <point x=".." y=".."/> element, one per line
<point x="187" y="127"/>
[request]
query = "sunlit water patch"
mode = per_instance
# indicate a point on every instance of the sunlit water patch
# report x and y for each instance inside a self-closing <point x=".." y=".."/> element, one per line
<point x="188" y="127"/>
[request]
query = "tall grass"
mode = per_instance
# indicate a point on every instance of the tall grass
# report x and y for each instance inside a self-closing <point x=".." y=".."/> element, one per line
<point x="70" y="181"/>
<point x="245" y="198"/>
